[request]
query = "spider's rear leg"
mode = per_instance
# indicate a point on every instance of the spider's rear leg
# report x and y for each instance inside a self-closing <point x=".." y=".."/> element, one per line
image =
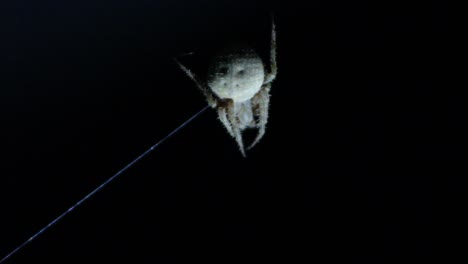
<point x="273" y="67"/>
<point x="202" y="87"/>
<point x="261" y="102"/>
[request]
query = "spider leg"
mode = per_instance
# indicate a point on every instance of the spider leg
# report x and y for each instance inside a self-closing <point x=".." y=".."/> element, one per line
<point x="273" y="67"/>
<point x="222" y="115"/>
<point x="235" y="126"/>
<point x="206" y="92"/>
<point x="261" y="102"/>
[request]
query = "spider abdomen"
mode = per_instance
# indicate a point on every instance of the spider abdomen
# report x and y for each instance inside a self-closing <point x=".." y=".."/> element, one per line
<point x="238" y="88"/>
<point x="236" y="74"/>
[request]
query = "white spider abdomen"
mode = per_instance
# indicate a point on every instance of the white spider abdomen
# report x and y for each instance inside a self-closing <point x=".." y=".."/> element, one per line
<point x="236" y="74"/>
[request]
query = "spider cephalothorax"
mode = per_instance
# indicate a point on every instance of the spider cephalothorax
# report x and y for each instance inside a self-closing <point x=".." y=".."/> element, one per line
<point x="238" y="88"/>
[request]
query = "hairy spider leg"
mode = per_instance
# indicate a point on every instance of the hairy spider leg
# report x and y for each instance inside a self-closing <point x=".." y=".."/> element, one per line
<point x="261" y="102"/>
<point x="222" y="115"/>
<point x="270" y="77"/>
<point x="232" y="115"/>
<point x="208" y="95"/>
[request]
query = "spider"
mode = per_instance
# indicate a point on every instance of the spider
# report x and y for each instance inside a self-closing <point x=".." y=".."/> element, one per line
<point x="238" y="87"/>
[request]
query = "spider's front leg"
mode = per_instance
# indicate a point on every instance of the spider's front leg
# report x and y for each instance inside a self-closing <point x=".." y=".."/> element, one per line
<point x="223" y="117"/>
<point x="261" y="102"/>
<point x="233" y="120"/>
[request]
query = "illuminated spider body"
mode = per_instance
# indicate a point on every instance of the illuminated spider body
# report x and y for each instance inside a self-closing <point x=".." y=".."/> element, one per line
<point x="238" y="88"/>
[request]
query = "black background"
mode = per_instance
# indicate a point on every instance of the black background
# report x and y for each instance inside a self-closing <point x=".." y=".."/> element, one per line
<point x="364" y="158"/>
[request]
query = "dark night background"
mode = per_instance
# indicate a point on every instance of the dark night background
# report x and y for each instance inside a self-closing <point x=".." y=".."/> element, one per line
<point x="364" y="158"/>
